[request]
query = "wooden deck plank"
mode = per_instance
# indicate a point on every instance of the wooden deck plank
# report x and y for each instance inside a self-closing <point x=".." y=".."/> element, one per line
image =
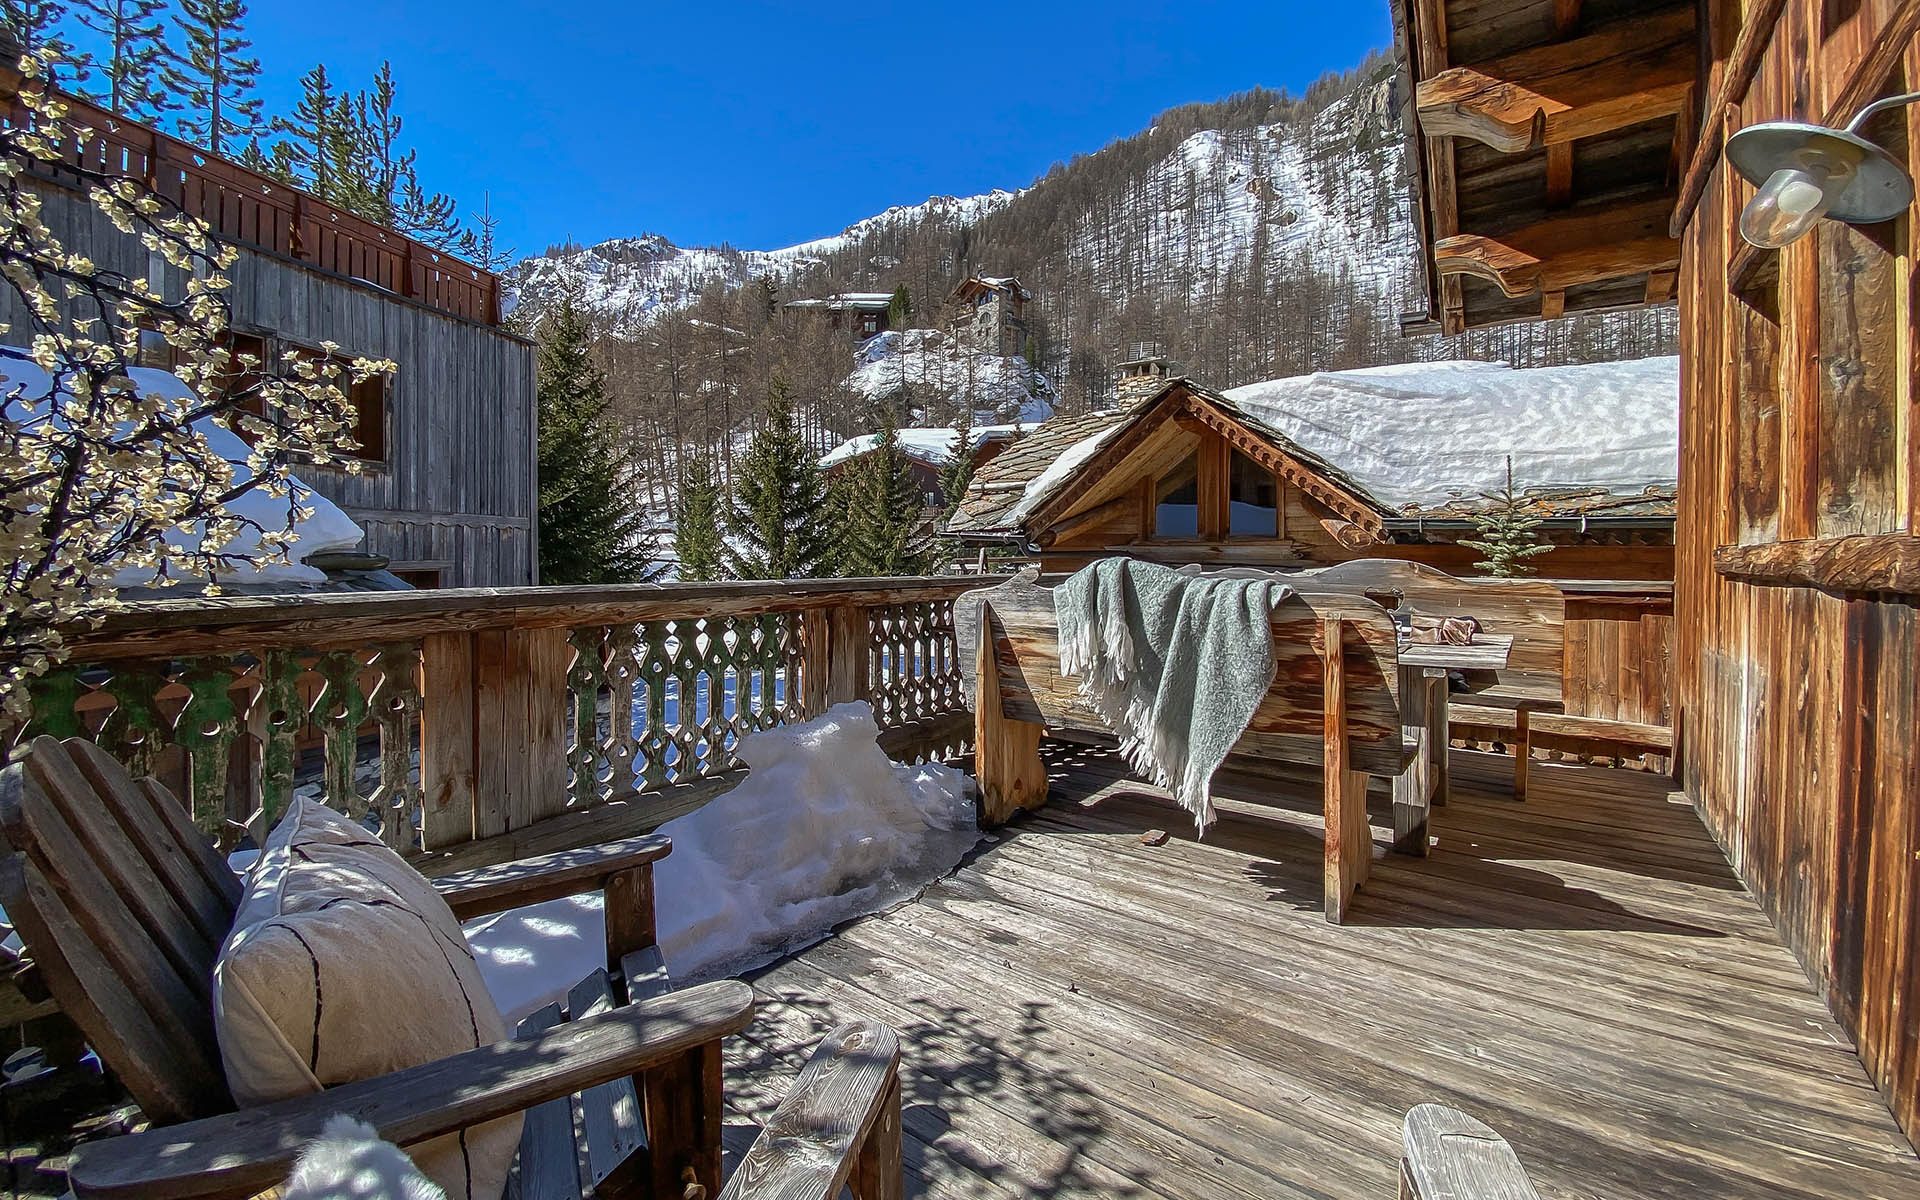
<point x="1086" y="1015"/>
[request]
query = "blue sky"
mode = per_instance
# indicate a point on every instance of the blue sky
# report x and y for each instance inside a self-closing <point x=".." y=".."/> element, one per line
<point x="767" y="124"/>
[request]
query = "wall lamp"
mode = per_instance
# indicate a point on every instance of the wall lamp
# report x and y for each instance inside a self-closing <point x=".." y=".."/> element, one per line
<point x="1805" y="172"/>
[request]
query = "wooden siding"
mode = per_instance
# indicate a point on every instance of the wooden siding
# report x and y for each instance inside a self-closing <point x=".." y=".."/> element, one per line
<point x="1798" y="704"/>
<point x="457" y="489"/>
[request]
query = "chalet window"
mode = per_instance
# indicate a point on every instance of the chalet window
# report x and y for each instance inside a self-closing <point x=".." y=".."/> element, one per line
<point x="1253" y="499"/>
<point x="369" y="398"/>
<point x="870" y="324"/>
<point x="1176" y="509"/>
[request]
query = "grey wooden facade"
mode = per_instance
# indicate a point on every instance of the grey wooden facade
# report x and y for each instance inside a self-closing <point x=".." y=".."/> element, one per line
<point x="455" y="499"/>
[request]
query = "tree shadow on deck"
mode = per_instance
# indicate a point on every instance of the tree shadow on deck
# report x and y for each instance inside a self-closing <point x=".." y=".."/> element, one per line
<point x="991" y="1104"/>
<point x="1469" y="882"/>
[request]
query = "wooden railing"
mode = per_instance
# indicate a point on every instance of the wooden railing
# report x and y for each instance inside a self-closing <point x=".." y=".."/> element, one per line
<point x="262" y="213"/>
<point x="474" y="725"/>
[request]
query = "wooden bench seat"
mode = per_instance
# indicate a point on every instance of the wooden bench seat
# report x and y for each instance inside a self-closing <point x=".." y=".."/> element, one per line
<point x="1338" y="710"/>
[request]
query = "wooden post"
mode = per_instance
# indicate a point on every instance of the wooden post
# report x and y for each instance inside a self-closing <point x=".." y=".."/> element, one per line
<point x="1349" y="847"/>
<point x="1422" y="689"/>
<point x="876" y="1169"/>
<point x="816" y="641"/>
<point x="1006" y="753"/>
<point x="628" y="898"/>
<point x="847" y="653"/>
<point x="447" y="712"/>
<point x="1522" y="751"/>
<point x="682" y="1104"/>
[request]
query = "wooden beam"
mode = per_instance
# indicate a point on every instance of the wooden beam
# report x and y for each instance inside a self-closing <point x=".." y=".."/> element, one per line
<point x="1864" y="563"/>
<point x="1553" y="306"/>
<point x="1565" y="252"/>
<point x="1006" y="752"/>
<point x="1628" y="73"/>
<point x="1660" y="286"/>
<point x="1748" y="48"/>
<point x="1566" y="15"/>
<point x="1559" y="174"/>
<point x="1443" y="202"/>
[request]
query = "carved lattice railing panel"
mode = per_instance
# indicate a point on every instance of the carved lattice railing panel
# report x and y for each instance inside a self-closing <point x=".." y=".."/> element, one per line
<point x="235" y="736"/>
<point x="913" y="664"/>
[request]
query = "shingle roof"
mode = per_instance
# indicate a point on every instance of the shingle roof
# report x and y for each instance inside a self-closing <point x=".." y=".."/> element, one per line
<point x="1002" y="482"/>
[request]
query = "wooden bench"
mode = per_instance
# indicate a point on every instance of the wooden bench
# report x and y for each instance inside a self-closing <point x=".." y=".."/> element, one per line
<point x="1339" y="711"/>
<point x="1452" y="1156"/>
<point x="123" y="906"/>
<point x="1532" y="613"/>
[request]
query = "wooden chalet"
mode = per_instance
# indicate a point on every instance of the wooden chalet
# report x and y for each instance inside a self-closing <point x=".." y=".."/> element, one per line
<point x="859" y="315"/>
<point x="446" y="492"/>
<point x="1573" y="158"/>
<point x="1188" y="474"/>
<point x="1394" y="960"/>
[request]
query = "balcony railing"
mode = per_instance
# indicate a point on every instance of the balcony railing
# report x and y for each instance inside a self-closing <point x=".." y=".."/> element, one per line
<point x="462" y="723"/>
<point x="261" y="213"/>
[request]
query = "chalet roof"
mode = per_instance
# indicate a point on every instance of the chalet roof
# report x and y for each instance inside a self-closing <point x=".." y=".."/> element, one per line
<point x="997" y="283"/>
<point x="843" y="301"/>
<point x="1408" y="441"/>
<point x="929" y="444"/>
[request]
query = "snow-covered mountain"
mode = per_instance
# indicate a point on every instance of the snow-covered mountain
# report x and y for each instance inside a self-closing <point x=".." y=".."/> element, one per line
<point x="627" y="280"/>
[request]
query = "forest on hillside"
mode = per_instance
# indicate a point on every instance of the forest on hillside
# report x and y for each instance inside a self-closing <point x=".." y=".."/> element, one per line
<point x="1251" y="238"/>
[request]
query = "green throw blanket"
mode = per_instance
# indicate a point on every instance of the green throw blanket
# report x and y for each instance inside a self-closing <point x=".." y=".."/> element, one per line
<point x="1175" y="664"/>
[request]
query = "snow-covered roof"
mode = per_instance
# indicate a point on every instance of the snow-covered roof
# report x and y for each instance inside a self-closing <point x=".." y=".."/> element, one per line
<point x="1408" y="440"/>
<point x="24" y="385"/>
<point x="1418" y="434"/>
<point x="930" y="445"/>
<point x="858" y="301"/>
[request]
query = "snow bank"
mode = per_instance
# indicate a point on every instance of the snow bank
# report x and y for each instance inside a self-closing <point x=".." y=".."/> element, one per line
<point x="25" y="387"/>
<point x="823" y="829"/>
<point x="933" y="446"/>
<point x="933" y="365"/>
<point x="1418" y="433"/>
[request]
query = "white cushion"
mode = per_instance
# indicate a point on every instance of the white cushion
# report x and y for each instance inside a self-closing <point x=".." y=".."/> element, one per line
<point x="345" y="964"/>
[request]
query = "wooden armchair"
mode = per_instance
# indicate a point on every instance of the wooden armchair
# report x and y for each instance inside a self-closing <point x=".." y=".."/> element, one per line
<point x="123" y="906"/>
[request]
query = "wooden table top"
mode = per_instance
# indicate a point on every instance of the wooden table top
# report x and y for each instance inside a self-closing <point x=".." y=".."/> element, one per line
<point x="1487" y="652"/>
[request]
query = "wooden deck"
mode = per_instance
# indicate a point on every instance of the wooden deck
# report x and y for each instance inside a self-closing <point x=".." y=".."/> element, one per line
<point x="1084" y="1014"/>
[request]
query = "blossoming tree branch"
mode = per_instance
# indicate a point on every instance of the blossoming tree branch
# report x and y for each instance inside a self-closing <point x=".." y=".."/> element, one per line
<point x="106" y="469"/>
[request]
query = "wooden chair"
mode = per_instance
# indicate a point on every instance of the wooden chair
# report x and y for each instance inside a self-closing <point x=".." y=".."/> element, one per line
<point x="1338" y="711"/>
<point x="1452" y="1156"/>
<point x="123" y="906"/>
<point x="1533" y="613"/>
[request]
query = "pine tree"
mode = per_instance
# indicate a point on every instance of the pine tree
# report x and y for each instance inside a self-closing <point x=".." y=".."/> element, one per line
<point x="843" y="487"/>
<point x="34" y="25"/>
<point x="590" y="529"/>
<point x="1509" y="534"/>
<point x="887" y="510"/>
<point x="385" y="180"/>
<point x="132" y="58"/>
<point x="213" y="79"/>
<point x="778" y="501"/>
<point x="696" y="532"/>
<point x="480" y="245"/>
<point x="316" y="139"/>
<point x="958" y="472"/>
<point x="900" y="308"/>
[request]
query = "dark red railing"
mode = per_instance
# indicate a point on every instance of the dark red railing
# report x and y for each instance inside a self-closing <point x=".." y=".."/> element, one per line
<point x="254" y="210"/>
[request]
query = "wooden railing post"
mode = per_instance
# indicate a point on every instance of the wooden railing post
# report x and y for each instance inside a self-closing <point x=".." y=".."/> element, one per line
<point x="447" y="750"/>
<point x="848" y="655"/>
<point x="1006" y="753"/>
<point x="1349" y="841"/>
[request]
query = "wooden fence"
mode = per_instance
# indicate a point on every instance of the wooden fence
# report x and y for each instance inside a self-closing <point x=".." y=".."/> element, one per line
<point x="262" y="213"/>
<point x="478" y="725"/>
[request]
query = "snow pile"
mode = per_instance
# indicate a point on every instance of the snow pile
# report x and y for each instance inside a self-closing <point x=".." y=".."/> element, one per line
<point x="823" y="829"/>
<point x="25" y="387"/>
<point x="1419" y="433"/>
<point x="940" y="373"/>
<point x="933" y="446"/>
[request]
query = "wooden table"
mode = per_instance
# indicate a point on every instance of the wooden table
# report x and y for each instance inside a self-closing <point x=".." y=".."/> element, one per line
<point x="1423" y="706"/>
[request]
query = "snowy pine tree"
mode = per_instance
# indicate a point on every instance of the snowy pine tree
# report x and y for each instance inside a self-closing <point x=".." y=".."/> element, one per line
<point x="778" y="501"/>
<point x="887" y="511"/>
<point x="212" y="80"/>
<point x="1509" y="533"/>
<point x="696" y="531"/>
<point x="591" y="531"/>
<point x="130" y="64"/>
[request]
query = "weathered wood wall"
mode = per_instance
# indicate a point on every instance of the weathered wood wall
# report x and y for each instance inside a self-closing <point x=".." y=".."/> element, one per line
<point x="457" y="491"/>
<point x="1795" y="618"/>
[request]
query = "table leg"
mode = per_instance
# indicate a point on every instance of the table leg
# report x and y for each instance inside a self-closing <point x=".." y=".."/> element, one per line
<point x="1439" y="711"/>
<point x="1413" y="790"/>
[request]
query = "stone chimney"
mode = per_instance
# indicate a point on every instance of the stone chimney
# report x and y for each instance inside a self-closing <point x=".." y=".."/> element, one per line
<point x="1144" y="373"/>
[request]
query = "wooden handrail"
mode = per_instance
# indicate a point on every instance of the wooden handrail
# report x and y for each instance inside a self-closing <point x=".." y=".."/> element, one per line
<point x="184" y="174"/>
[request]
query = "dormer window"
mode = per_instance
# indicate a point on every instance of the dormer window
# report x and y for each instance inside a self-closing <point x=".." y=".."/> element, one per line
<point x="1176" y="509"/>
<point x="1253" y="499"/>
